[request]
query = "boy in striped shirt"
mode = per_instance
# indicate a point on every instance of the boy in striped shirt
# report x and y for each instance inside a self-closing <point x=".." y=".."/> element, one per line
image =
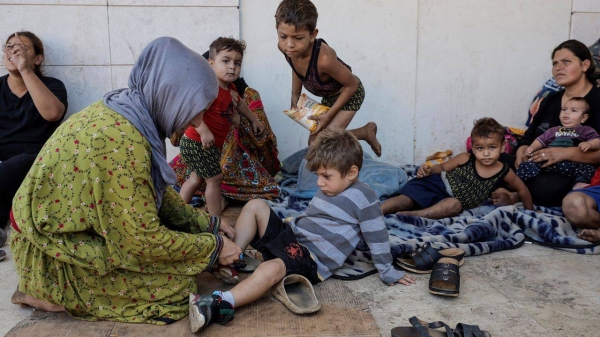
<point x="317" y="242"/>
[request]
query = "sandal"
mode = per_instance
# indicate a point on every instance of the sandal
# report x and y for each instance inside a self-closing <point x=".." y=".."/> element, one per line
<point x="423" y="329"/>
<point x="445" y="278"/>
<point x="2" y="254"/>
<point x="421" y="261"/>
<point x="225" y="273"/>
<point x="297" y="294"/>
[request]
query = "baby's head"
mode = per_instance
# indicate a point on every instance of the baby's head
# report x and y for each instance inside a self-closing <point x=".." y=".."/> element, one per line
<point x="302" y="14"/>
<point x="336" y="157"/>
<point x="487" y="140"/>
<point x="225" y="57"/>
<point x="575" y="112"/>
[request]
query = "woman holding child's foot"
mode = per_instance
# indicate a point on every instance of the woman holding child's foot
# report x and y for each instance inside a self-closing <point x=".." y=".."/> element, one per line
<point x="98" y="231"/>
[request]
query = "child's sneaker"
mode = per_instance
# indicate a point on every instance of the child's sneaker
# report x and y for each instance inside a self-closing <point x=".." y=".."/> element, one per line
<point x="227" y="274"/>
<point x="208" y="309"/>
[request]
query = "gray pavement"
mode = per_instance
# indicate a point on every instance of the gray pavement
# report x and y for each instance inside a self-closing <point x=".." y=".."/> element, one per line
<point x="529" y="291"/>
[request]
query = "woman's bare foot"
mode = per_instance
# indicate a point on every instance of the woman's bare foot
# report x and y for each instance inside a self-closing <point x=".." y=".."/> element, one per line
<point x="591" y="235"/>
<point x="25" y="300"/>
<point x="371" y="138"/>
<point x="19" y="299"/>
<point x="502" y="197"/>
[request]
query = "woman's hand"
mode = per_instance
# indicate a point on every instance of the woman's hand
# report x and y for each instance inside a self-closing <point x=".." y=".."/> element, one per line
<point x="230" y="252"/>
<point x="18" y="55"/>
<point x="550" y="156"/>
<point x="226" y="227"/>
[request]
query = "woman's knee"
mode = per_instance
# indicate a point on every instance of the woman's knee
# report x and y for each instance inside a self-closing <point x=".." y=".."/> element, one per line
<point x="575" y="207"/>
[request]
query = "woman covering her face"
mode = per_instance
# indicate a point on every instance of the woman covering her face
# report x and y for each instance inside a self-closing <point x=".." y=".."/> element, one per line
<point x="31" y="108"/>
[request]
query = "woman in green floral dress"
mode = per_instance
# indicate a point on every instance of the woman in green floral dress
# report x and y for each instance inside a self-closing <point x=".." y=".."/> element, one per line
<point x="97" y="229"/>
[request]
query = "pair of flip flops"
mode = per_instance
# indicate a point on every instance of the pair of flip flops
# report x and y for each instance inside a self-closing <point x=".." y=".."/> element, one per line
<point x="423" y="329"/>
<point x="297" y="294"/>
<point x="442" y="264"/>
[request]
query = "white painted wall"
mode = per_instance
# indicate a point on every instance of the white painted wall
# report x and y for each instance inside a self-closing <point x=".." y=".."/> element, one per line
<point x="430" y="67"/>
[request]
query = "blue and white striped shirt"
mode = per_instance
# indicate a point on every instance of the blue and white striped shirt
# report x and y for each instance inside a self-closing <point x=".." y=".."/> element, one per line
<point x="331" y="228"/>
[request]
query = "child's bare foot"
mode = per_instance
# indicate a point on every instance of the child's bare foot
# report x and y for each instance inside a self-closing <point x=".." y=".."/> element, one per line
<point x="591" y="235"/>
<point x="371" y="138"/>
<point x="502" y="197"/>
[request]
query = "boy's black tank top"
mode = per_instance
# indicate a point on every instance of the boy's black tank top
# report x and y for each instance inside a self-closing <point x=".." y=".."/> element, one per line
<point x="311" y="81"/>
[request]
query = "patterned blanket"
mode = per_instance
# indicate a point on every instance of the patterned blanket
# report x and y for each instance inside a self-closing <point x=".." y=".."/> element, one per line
<point x="477" y="231"/>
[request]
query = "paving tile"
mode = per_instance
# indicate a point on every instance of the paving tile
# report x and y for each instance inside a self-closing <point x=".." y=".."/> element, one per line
<point x="474" y="291"/>
<point x="571" y="317"/>
<point x="560" y="276"/>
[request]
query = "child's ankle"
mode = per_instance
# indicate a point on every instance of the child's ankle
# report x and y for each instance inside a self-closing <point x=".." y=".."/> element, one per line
<point x="227" y="296"/>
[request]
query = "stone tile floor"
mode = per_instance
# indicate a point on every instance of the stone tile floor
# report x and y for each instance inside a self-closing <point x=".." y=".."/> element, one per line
<point x="529" y="291"/>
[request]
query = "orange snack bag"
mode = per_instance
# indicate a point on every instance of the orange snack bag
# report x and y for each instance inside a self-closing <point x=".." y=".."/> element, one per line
<point x="305" y="108"/>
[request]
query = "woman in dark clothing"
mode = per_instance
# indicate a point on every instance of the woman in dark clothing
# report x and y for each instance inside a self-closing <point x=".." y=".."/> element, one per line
<point x="31" y="108"/>
<point x="573" y="68"/>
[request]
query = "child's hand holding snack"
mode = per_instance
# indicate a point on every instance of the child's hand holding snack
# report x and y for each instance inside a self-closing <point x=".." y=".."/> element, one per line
<point x="423" y="171"/>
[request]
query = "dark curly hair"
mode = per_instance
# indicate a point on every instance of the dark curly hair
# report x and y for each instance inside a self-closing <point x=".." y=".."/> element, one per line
<point x="299" y="13"/>
<point x="487" y="127"/>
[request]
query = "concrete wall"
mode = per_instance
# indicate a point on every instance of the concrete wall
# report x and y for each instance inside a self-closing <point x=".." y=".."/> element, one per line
<point x="92" y="44"/>
<point x="430" y="67"/>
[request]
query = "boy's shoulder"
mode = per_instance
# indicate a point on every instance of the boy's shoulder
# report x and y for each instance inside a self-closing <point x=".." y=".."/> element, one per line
<point x="360" y="190"/>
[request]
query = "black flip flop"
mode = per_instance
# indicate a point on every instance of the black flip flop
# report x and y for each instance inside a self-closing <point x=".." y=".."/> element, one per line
<point x="423" y="329"/>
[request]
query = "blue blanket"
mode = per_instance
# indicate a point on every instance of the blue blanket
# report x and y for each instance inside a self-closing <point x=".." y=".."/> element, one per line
<point x="477" y="231"/>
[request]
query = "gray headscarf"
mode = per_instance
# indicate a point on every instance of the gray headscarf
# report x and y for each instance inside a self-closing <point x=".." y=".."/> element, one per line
<point x="169" y="84"/>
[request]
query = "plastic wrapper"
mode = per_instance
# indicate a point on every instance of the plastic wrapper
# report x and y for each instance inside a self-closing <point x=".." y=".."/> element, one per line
<point x="305" y="108"/>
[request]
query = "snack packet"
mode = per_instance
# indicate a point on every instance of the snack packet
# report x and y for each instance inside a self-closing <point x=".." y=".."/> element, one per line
<point x="305" y="108"/>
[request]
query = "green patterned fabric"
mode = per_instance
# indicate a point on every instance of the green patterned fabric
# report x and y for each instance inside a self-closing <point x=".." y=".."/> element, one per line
<point x="90" y="237"/>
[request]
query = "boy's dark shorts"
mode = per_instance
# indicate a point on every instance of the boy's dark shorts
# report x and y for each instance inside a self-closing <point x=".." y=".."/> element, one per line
<point x="354" y="103"/>
<point x="279" y="241"/>
<point x="205" y="162"/>
<point x="427" y="191"/>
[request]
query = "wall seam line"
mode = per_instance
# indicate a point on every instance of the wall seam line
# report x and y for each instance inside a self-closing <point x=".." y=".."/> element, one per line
<point x="109" y="46"/>
<point x="416" y="80"/>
